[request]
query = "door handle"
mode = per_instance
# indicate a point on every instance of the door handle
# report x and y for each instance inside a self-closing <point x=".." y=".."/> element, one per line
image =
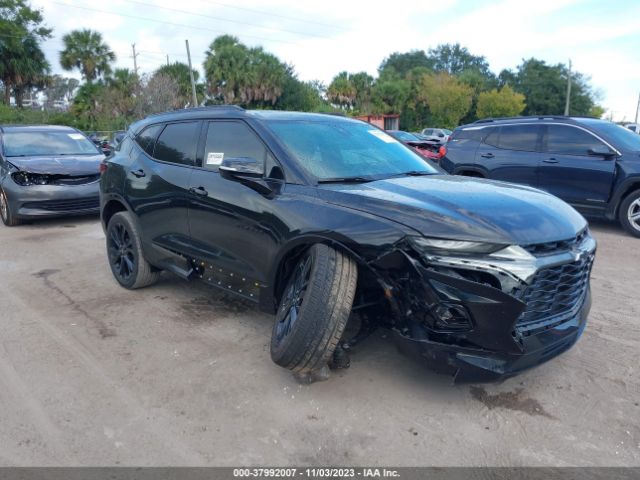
<point x="550" y="160"/>
<point x="138" y="173"/>
<point x="487" y="155"/>
<point x="199" y="191"/>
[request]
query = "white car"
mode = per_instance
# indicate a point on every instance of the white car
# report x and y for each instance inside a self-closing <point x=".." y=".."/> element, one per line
<point x="438" y="136"/>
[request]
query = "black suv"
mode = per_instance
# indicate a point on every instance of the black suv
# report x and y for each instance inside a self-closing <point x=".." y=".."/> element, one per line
<point x="592" y="164"/>
<point x="320" y="219"/>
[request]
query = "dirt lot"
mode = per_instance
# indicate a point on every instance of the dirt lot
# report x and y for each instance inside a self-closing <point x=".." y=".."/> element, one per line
<point x="179" y="374"/>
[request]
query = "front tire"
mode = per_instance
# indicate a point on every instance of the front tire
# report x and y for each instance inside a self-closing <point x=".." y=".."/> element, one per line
<point x="124" y="250"/>
<point x="7" y="216"/>
<point x="314" y="310"/>
<point x="629" y="213"/>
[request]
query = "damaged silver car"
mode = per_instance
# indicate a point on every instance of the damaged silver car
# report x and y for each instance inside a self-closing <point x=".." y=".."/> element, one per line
<point x="47" y="171"/>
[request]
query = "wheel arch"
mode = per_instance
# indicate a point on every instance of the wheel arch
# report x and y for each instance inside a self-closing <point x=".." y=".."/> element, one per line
<point x="285" y="261"/>
<point x="112" y="205"/>
<point x="622" y="192"/>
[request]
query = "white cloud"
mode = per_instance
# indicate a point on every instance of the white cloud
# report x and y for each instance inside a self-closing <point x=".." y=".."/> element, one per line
<point x="335" y="35"/>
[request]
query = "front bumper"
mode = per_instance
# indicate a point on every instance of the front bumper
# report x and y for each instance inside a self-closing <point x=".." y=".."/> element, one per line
<point x="470" y="365"/>
<point x="484" y="318"/>
<point x="44" y="201"/>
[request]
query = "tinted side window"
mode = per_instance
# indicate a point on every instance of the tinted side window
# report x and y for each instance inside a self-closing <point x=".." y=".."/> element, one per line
<point x="469" y="134"/>
<point x="568" y="140"/>
<point x="177" y="143"/>
<point x="519" y="137"/>
<point x="231" y="139"/>
<point x="492" y="137"/>
<point x="147" y="138"/>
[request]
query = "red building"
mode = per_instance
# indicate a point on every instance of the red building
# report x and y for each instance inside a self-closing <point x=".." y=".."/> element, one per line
<point x="386" y="122"/>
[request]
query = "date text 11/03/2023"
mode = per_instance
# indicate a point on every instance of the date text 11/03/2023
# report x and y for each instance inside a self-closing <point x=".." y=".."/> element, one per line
<point x="315" y="473"/>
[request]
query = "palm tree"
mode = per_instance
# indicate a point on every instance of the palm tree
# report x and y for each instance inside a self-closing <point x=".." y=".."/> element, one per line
<point x="341" y="91"/>
<point x="85" y="50"/>
<point x="23" y="66"/>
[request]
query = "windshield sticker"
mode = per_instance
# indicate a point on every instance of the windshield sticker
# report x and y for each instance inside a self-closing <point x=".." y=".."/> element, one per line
<point x="214" y="158"/>
<point x="383" y="136"/>
<point x="76" y="136"/>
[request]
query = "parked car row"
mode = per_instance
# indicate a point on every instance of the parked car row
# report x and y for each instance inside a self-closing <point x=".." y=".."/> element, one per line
<point x="322" y="220"/>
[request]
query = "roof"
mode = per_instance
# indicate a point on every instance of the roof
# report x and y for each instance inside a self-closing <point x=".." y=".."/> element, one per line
<point x="233" y="111"/>
<point x="35" y="128"/>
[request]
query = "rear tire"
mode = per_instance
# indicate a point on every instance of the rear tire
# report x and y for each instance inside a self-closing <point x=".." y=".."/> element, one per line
<point x="629" y="213"/>
<point x="124" y="250"/>
<point x="314" y="310"/>
<point x="8" y="218"/>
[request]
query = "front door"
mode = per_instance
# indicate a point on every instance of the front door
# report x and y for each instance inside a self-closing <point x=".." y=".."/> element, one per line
<point x="568" y="171"/>
<point x="234" y="230"/>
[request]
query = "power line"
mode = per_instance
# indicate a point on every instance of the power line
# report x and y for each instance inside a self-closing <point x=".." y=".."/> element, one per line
<point x="192" y="27"/>
<point x="263" y="12"/>
<point x="201" y="15"/>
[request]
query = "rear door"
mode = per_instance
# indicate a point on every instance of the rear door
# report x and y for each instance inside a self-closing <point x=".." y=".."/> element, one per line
<point x="234" y="229"/>
<point x="512" y="153"/>
<point x="157" y="186"/>
<point x="568" y="171"/>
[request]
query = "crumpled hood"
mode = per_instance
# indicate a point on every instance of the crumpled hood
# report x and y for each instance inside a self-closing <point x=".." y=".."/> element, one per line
<point x="59" y="165"/>
<point x="462" y="208"/>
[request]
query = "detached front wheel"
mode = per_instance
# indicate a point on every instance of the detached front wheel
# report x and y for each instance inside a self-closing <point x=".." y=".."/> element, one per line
<point x="314" y="309"/>
<point x="124" y="249"/>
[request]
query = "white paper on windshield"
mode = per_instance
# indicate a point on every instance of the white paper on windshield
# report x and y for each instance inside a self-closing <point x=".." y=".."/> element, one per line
<point x="76" y="136"/>
<point x="215" y="158"/>
<point x="383" y="136"/>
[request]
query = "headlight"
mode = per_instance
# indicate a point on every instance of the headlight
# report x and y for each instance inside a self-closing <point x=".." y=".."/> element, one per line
<point x="25" y="179"/>
<point x="438" y="246"/>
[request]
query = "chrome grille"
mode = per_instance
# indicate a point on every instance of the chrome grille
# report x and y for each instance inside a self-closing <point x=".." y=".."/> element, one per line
<point x="555" y="291"/>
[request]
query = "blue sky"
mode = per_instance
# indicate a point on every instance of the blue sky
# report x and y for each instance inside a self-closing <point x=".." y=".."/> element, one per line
<point x="321" y="38"/>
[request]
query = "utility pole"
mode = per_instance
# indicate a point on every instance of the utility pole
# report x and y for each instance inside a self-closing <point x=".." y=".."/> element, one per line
<point x="135" y="58"/>
<point x="167" y="59"/>
<point x="193" y="83"/>
<point x="637" y="109"/>
<point x="566" y="105"/>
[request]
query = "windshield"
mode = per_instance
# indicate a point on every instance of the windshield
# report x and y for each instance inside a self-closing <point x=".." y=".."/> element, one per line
<point x="621" y="138"/>
<point x="38" y="143"/>
<point x="334" y="150"/>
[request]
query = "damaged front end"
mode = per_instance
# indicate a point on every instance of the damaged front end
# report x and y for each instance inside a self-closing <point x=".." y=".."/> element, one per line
<point x="483" y="312"/>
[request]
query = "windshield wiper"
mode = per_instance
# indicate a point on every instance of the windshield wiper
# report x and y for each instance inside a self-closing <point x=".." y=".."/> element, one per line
<point x="412" y="173"/>
<point x="346" y="180"/>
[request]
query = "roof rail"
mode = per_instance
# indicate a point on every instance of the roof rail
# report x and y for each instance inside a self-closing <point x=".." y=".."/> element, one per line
<point x="200" y="109"/>
<point x="531" y="117"/>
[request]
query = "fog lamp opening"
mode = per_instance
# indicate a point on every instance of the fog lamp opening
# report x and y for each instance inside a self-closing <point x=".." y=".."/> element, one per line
<point x="451" y="317"/>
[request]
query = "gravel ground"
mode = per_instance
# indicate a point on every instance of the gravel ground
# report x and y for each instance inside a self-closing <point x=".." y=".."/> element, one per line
<point x="179" y="374"/>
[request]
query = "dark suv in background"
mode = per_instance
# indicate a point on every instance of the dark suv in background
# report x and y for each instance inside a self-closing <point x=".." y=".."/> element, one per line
<point x="314" y="217"/>
<point x="594" y="165"/>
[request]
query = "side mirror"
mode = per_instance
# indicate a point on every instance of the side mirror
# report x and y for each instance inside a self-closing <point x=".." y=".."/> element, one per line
<point x="241" y="167"/>
<point x="601" y="151"/>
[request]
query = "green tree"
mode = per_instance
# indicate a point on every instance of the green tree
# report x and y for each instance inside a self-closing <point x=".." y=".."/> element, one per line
<point x="500" y="103"/>
<point x="341" y="91"/>
<point x="22" y="62"/>
<point x="180" y="73"/>
<point x="242" y="75"/>
<point x="455" y="59"/>
<point x="60" y="88"/>
<point x="86" y="51"/>
<point x="301" y="96"/>
<point x="544" y="87"/>
<point x="448" y="99"/>
<point x="403" y="63"/>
